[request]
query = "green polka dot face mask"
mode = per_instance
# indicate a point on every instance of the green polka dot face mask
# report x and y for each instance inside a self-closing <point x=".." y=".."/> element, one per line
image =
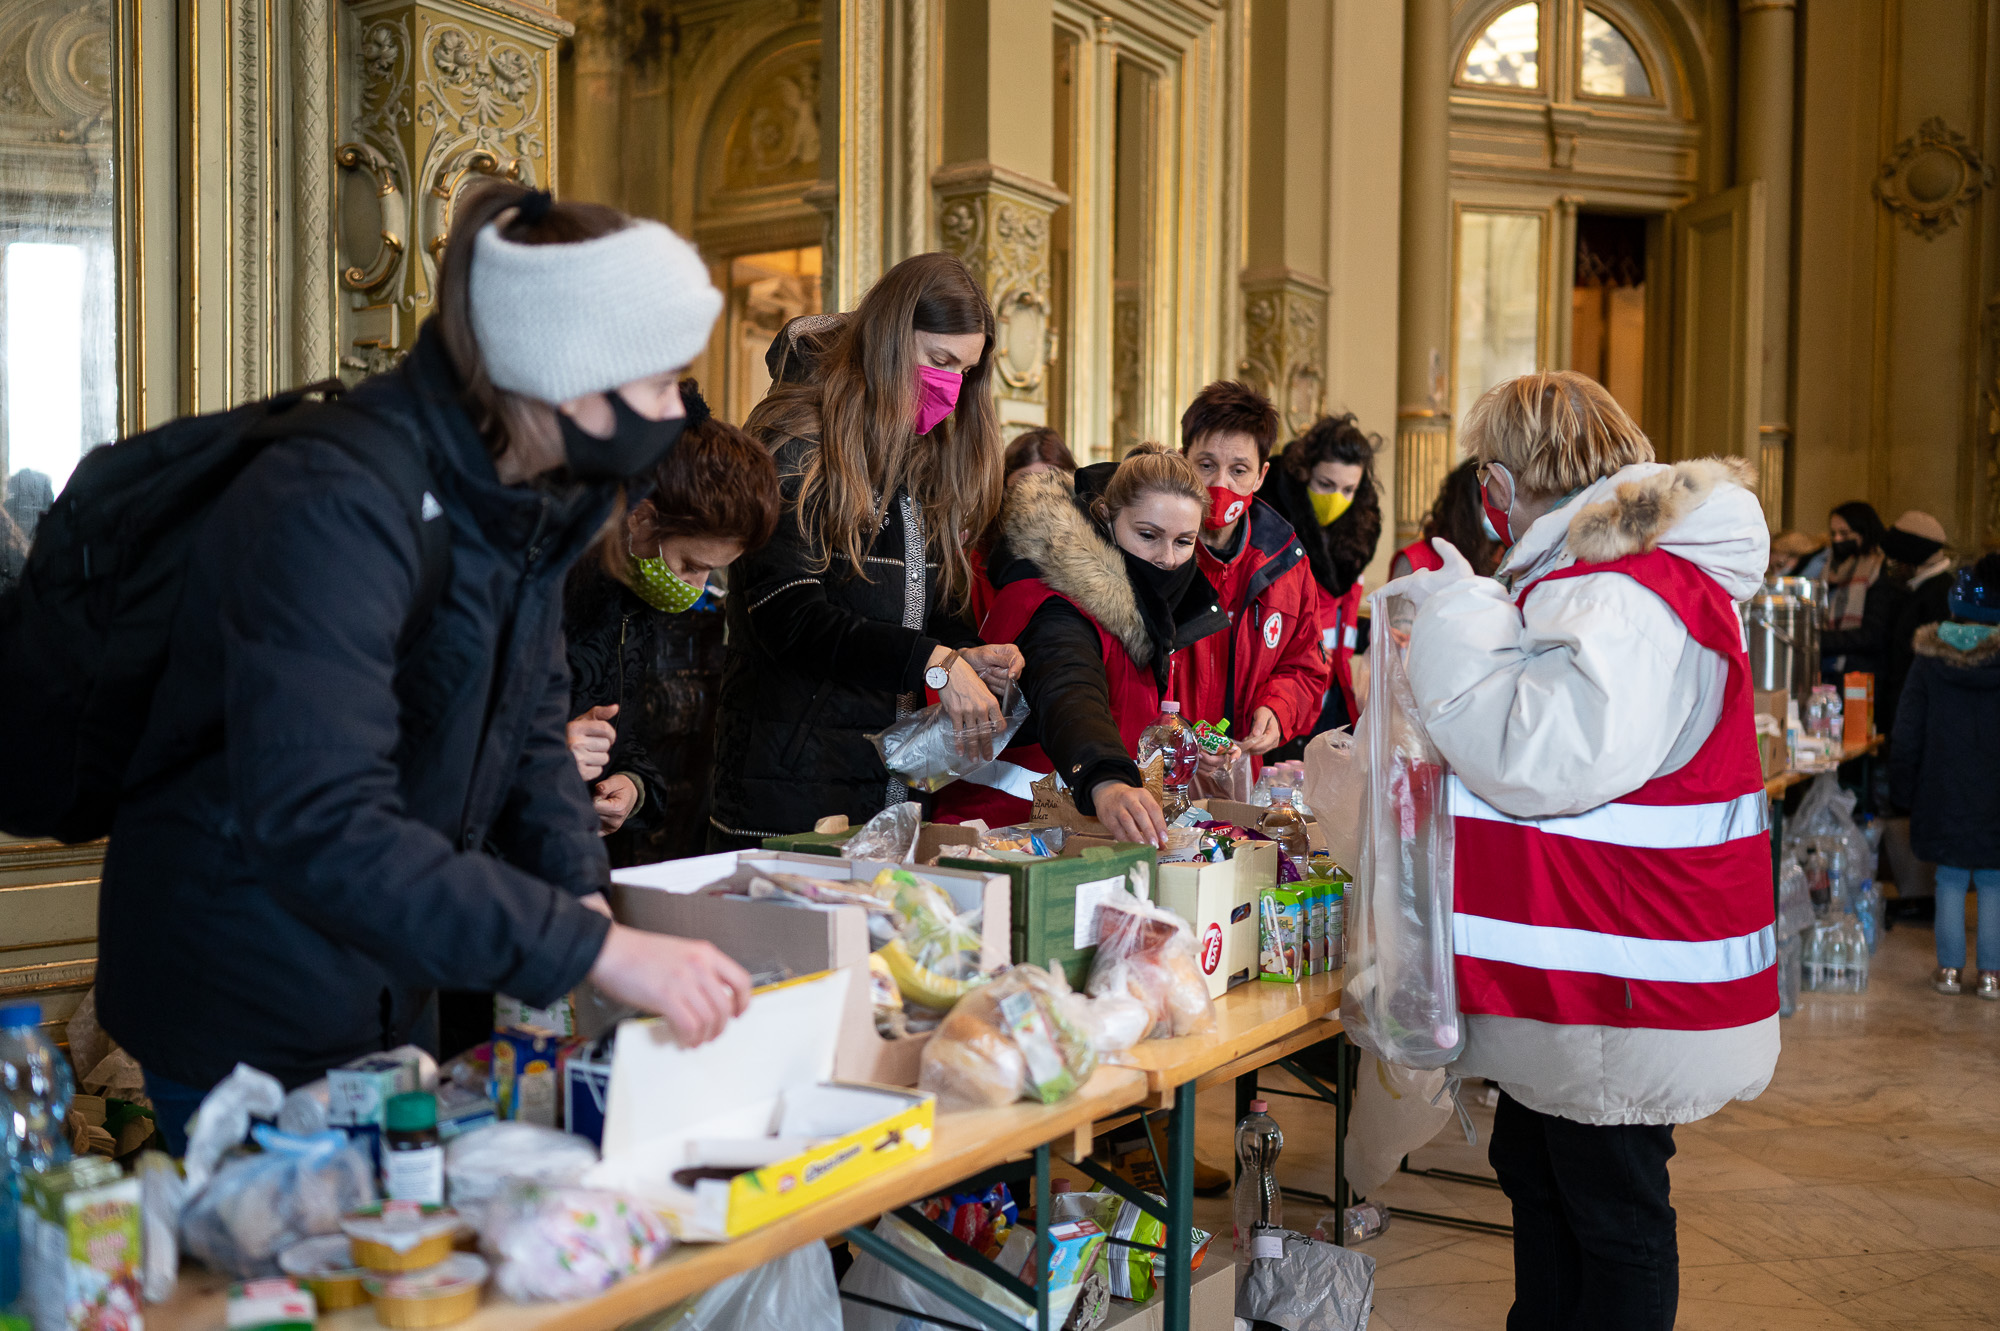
<point x="662" y="588"/>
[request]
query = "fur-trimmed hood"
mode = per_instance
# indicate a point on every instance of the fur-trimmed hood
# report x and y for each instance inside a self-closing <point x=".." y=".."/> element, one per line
<point x="1986" y="654"/>
<point x="1043" y="523"/>
<point x="1704" y="510"/>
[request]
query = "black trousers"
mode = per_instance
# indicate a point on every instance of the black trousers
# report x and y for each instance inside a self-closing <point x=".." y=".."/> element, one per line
<point x="1594" y="1244"/>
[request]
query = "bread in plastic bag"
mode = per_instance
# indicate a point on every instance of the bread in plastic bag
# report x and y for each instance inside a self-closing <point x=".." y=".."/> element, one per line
<point x="890" y="836"/>
<point x="568" y="1242"/>
<point x="1148" y="953"/>
<point x="1013" y="1038"/>
<point x="255" y="1206"/>
<point x="481" y="1165"/>
<point x="926" y="751"/>
<point x="1400" y="999"/>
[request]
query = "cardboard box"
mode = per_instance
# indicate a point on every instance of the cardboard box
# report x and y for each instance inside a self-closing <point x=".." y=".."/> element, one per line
<point x="1858" y="709"/>
<point x="758" y="1100"/>
<point x="766" y="937"/>
<point x="1219" y="901"/>
<point x="1252" y="815"/>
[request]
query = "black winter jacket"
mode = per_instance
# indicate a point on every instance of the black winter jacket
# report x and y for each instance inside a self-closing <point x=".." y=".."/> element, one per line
<point x="1925" y="603"/>
<point x="663" y="672"/>
<point x="1048" y="535"/>
<point x="817" y="659"/>
<point x="1867" y="646"/>
<point x="1944" y="756"/>
<point x="312" y="838"/>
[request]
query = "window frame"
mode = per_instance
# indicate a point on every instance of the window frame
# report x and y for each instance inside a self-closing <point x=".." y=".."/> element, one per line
<point x="1544" y="71"/>
<point x="1655" y="97"/>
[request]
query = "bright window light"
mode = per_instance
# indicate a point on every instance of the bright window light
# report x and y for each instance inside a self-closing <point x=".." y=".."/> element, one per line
<point x="44" y="389"/>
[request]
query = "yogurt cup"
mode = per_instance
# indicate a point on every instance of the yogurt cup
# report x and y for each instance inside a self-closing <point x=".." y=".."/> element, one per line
<point x="438" y="1296"/>
<point x="401" y="1236"/>
<point x="326" y="1266"/>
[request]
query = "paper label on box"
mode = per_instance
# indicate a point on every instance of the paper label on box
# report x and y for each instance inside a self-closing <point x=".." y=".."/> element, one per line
<point x="1267" y="1246"/>
<point x="1088" y="897"/>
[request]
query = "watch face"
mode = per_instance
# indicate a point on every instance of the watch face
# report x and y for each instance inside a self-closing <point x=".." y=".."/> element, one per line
<point x="937" y="677"/>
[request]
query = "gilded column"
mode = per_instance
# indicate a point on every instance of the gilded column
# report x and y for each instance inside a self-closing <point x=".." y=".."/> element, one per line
<point x="994" y="194"/>
<point x="1423" y="417"/>
<point x="1764" y="76"/>
<point x="445" y="91"/>
<point x="597" y="68"/>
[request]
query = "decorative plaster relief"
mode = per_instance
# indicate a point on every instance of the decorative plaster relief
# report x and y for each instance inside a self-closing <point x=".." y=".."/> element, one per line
<point x="1284" y="344"/>
<point x="999" y="226"/>
<point x="1931" y="177"/>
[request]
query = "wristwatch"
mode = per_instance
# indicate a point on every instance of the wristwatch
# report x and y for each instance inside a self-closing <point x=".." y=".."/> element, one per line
<point x="939" y="675"/>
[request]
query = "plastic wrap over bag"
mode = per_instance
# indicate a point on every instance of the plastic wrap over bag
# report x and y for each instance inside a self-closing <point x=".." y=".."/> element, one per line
<point x="1400" y="1001"/>
<point x="795" y="1292"/>
<point x="926" y="751"/>
<point x="890" y="836"/>
<point x="1337" y="789"/>
<point x="1301" y="1284"/>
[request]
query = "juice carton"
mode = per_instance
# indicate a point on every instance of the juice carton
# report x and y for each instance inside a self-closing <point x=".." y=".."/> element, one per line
<point x="1315" y="926"/>
<point x="525" y="1080"/>
<point x="1281" y="934"/>
<point x="357" y="1095"/>
<point x="80" y="1248"/>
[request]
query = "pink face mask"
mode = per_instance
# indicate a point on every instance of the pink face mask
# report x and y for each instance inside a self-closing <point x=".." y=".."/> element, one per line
<point x="937" y="396"/>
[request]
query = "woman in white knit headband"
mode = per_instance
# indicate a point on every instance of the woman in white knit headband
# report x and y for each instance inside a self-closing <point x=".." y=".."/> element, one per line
<point x="353" y="790"/>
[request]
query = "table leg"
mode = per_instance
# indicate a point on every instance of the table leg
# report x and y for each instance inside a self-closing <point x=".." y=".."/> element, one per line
<point x="1343" y="1100"/>
<point x="1180" y="1209"/>
<point x="1043" y="1250"/>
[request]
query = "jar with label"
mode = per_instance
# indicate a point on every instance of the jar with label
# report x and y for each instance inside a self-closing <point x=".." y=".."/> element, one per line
<point x="412" y="1154"/>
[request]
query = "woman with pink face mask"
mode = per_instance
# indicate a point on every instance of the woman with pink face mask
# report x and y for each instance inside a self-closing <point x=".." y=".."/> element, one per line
<point x="888" y="450"/>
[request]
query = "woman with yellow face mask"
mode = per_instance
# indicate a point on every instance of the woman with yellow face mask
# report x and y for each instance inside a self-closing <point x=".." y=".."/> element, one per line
<point x="1324" y="485"/>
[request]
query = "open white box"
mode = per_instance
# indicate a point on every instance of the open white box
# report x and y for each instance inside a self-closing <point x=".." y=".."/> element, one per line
<point x="756" y="1099"/>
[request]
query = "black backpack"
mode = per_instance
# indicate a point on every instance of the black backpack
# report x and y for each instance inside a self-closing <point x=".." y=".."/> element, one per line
<point x="84" y="634"/>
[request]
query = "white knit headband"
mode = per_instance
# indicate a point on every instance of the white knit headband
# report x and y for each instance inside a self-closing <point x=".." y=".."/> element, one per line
<point x="558" y="321"/>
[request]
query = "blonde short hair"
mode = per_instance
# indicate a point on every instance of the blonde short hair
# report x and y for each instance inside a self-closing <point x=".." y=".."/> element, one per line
<point x="1555" y="430"/>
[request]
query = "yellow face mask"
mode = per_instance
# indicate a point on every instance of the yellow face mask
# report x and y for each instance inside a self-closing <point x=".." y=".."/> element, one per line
<point x="1328" y="508"/>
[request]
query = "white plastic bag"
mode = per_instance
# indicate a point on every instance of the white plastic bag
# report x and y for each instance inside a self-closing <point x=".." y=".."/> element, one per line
<point x="481" y="1164"/>
<point x="256" y="1206"/>
<point x="1337" y="789"/>
<point x="795" y="1291"/>
<point x="1400" y="1001"/>
<point x="568" y="1243"/>
<point x="927" y="752"/>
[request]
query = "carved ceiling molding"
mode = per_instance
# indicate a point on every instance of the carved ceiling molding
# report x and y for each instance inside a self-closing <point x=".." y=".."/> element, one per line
<point x="1930" y="178"/>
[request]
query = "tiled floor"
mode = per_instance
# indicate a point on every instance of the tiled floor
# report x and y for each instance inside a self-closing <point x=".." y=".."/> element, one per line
<point x="1861" y="1190"/>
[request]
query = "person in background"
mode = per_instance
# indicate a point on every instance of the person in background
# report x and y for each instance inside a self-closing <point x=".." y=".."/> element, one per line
<point x="1921" y="563"/>
<point x="1791" y="552"/>
<point x="644" y="635"/>
<point x="1324" y="485"/>
<point x="1457" y="518"/>
<point x="1854" y="564"/>
<point x="1268" y="675"/>
<point x="1095" y="581"/>
<point x="888" y="456"/>
<point x="1594" y="704"/>
<point x="1031" y="453"/>
<point x="321" y="825"/>
<point x="1944" y="767"/>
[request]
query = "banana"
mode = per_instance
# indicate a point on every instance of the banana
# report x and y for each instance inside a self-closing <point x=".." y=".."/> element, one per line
<point x="926" y="988"/>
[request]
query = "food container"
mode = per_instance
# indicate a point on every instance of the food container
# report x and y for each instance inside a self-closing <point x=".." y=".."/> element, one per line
<point x="401" y="1236"/>
<point x="326" y="1266"/>
<point x="446" y="1293"/>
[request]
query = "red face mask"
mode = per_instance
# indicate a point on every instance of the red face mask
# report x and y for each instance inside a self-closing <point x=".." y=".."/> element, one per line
<point x="1224" y="507"/>
<point x="1496" y="516"/>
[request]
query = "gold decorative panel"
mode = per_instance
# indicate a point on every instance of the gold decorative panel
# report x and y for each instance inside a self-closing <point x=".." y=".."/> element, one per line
<point x="997" y="221"/>
<point x="1931" y="177"/>
<point x="444" y="92"/>
<point x="1284" y="344"/>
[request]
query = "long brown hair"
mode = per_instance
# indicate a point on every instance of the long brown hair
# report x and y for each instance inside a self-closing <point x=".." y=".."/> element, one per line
<point x="503" y="417"/>
<point x="860" y="404"/>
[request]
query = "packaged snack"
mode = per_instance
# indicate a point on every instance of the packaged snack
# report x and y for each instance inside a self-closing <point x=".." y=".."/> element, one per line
<point x="1315" y="894"/>
<point x="1020" y="841"/>
<point x="1212" y="738"/>
<point x="480" y="1166"/>
<point x="991" y="1051"/>
<point x="1135" y="1272"/>
<point x="934" y="956"/>
<point x="269" y="1305"/>
<point x="521" y="1080"/>
<point x="80" y="1247"/>
<point x="1075" y="1245"/>
<point x="1281" y="934"/>
<point x="1149" y="954"/>
<point x="570" y="1243"/>
<point x="436" y="1296"/>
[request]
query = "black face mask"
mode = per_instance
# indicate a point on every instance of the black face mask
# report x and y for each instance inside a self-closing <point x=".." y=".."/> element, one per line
<point x="1843" y="550"/>
<point x="634" y="446"/>
<point x="1164" y="584"/>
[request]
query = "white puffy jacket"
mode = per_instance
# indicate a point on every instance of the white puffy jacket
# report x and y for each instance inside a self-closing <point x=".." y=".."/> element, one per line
<point x="1593" y="691"/>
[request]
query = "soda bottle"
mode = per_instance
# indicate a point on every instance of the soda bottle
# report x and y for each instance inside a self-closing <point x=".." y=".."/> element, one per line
<point x="1258" y="1201"/>
<point x="1173" y="739"/>
<point x="1284" y="826"/>
<point x="34" y="1096"/>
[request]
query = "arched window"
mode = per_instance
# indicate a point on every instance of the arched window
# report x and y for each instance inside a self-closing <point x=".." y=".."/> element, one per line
<point x="1507" y="54"/>
<point x="1611" y="66"/>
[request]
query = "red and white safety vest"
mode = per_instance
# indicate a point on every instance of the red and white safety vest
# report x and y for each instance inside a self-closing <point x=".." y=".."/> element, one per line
<point x="1652" y="911"/>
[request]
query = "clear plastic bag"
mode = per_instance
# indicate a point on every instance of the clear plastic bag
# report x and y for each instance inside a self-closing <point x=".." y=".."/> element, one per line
<point x="1302" y="1284"/>
<point x="479" y="1166"/>
<point x="795" y="1291"/>
<point x="1148" y="953"/>
<point x="255" y="1206"/>
<point x="927" y="752"/>
<point x="1011" y="1039"/>
<point x="568" y="1243"/>
<point x="1337" y="787"/>
<point x="890" y="836"/>
<point x="1229" y="782"/>
<point x="1400" y="1001"/>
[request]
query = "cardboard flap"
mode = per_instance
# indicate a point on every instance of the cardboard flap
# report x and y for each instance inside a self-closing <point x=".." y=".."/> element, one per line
<point x="834" y="1111"/>
<point x="661" y="1092"/>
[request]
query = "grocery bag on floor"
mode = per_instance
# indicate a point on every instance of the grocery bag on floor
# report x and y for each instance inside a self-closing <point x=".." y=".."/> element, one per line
<point x="873" y="1279"/>
<point x="1301" y="1284"/>
<point x="1400" y="1001"/>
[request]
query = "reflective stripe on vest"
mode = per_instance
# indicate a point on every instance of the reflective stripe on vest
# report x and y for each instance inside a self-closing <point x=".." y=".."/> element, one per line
<point x="1707" y="961"/>
<point x="1644" y="826"/>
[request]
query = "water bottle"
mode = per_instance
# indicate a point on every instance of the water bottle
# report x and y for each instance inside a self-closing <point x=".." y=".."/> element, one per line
<point x="1172" y="738"/>
<point x="1858" y="950"/>
<point x="1284" y="826"/>
<point x="1258" y="1142"/>
<point x="34" y="1094"/>
<point x="1791" y="956"/>
<point x="1815" y="958"/>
